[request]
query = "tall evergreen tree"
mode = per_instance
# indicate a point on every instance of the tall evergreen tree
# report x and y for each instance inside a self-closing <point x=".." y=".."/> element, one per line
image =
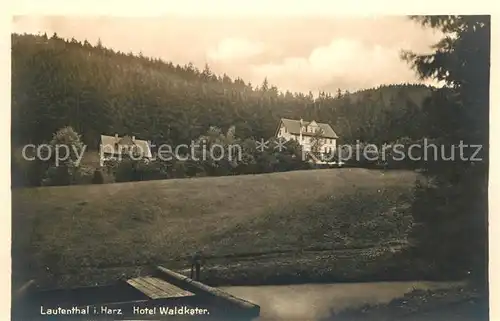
<point x="453" y="211"/>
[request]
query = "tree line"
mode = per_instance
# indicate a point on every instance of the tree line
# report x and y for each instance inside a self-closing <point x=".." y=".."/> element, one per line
<point x="59" y="83"/>
<point x="97" y="90"/>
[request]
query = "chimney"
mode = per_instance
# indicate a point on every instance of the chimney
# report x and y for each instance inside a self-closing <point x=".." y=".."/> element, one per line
<point x="133" y="138"/>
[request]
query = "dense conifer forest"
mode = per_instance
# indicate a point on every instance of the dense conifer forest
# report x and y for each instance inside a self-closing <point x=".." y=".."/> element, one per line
<point x="96" y="90"/>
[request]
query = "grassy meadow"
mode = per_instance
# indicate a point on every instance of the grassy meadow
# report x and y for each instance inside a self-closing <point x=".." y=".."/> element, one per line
<point x="246" y="226"/>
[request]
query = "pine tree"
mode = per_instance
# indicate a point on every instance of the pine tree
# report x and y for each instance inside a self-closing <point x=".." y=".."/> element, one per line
<point x="453" y="212"/>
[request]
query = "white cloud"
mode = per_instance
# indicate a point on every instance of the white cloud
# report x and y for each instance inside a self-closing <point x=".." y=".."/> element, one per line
<point x="235" y="49"/>
<point x="344" y="63"/>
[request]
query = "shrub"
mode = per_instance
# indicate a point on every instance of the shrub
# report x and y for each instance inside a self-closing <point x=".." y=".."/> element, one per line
<point x="131" y="171"/>
<point x="149" y="171"/>
<point x="57" y="176"/>
<point x="124" y="171"/>
<point x="83" y="175"/>
<point x="27" y="173"/>
<point x="97" y="178"/>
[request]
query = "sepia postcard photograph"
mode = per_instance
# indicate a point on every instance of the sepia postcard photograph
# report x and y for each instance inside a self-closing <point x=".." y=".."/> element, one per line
<point x="255" y="167"/>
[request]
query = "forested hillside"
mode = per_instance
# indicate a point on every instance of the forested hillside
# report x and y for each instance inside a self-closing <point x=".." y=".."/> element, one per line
<point x="95" y="90"/>
<point x="58" y="83"/>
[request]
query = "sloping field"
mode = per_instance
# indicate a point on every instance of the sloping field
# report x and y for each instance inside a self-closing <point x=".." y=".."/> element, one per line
<point x="67" y="230"/>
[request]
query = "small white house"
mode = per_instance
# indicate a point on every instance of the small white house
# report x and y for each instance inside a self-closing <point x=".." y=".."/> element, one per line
<point x="308" y="134"/>
<point x="115" y="147"/>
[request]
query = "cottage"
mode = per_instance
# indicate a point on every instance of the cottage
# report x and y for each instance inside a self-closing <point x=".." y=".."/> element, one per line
<point x="311" y="135"/>
<point x="115" y="147"/>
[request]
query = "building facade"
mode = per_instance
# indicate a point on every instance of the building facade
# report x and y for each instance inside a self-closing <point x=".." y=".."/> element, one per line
<point x="115" y="147"/>
<point x="311" y="135"/>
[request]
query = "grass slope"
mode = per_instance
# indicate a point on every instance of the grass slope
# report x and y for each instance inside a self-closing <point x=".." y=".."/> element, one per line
<point x="62" y="233"/>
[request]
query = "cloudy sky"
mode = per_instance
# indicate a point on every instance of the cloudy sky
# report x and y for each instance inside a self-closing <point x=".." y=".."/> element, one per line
<point x="297" y="54"/>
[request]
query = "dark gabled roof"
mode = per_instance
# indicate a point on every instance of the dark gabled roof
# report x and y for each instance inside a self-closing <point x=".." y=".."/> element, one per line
<point x="293" y="126"/>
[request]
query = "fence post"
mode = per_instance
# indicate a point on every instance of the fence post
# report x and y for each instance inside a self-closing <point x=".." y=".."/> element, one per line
<point x="196" y="266"/>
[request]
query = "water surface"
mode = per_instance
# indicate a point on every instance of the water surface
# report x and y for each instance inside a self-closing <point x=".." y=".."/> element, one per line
<point x="314" y="301"/>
